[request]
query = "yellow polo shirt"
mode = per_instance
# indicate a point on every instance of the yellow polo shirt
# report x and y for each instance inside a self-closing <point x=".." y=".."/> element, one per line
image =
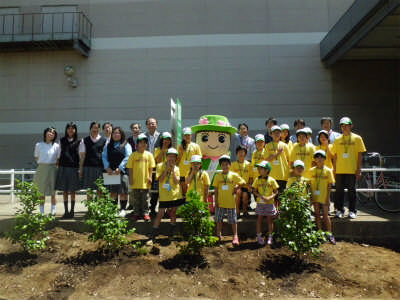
<point x="320" y="178"/>
<point x="168" y="189"/>
<point x="265" y="187"/>
<point x="346" y="149"/>
<point x="198" y="182"/>
<point x="140" y="164"/>
<point x="157" y="151"/>
<point x="225" y="185"/>
<point x="280" y="165"/>
<point x="184" y="164"/>
<point x="244" y="169"/>
<point x="258" y="156"/>
<point x="304" y="153"/>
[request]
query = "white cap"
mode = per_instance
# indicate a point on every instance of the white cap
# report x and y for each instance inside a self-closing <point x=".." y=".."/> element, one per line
<point x="308" y="130"/>
<point x="298" y="163"/>
<point x="172" y="151"/>
<point x="285" y="127"/>
<point x="345" y="120"/>
<point x="166" y="135"/>
<point x="275" y="127"/>
<point x="195" y="158"/>
<point x="187" y="130"/>
<point x="259" y="137"/>
<point x="142" y="136"/>
<point x="320" y="152"/>
<point x="227" y="157"/>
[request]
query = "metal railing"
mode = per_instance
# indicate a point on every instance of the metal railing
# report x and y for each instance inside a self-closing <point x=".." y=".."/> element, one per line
<point x="52" y="26"/>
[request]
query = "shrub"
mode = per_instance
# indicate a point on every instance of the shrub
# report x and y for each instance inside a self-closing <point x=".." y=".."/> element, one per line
<point x="296" y="228"/>
<point x="30" y="226"/>
<point x="104" y="219"/>
<point x="197" y="225"/>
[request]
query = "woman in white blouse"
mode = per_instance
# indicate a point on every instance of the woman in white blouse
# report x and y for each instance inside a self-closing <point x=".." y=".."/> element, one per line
<point x="46" y="155"/>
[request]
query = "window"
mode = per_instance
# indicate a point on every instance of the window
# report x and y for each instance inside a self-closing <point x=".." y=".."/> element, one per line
<point x="10" y="22"/>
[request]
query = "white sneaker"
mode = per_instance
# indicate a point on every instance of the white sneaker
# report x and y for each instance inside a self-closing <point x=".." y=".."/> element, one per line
<point x="260" y="240"/>
<point x="339" y="214"/>
<point x="122" y="213"/>
<point x="352" y="215"/>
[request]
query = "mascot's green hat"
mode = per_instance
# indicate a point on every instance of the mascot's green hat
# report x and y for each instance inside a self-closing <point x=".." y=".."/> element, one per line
<point x="213" y="123"/>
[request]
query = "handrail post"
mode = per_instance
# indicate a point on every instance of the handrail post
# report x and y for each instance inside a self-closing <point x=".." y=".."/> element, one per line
<point x="374" y="183"/>
<point x="12" y="184"/>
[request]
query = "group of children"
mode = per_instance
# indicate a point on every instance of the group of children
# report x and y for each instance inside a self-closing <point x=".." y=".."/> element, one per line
<point x="274" y="166"/>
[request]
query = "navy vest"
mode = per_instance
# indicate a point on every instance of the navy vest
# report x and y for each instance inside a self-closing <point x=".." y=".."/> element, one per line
<point x="69" y="156"/>
<point x="94" y="152"/>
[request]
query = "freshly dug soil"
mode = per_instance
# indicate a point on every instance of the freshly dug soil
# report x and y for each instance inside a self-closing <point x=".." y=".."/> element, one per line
<point x="73" y="268"/>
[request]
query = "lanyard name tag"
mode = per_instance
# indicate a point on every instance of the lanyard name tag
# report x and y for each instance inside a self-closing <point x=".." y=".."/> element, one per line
<point x="345" y="155"/>
<point x="225" y="187"/>
<point x="276" y="162"/>
<point x="167" y="186"/>
<point x="317" y="193"/>
<point x="255" y="170"/>
<point x="185" y="162"/>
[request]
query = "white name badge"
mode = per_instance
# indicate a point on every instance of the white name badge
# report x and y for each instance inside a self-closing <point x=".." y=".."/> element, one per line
<point x="255" y="170"/>
<point x="186" y="162"/>
<point x="276" y="162"/>
<point x="166" y="186"/>
<point x="225" y="187"/>
<point x="345" y="155"/>
<point x="317" y="193"/>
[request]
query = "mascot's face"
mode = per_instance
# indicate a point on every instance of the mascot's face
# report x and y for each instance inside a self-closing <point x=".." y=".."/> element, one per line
<point x="213" y="143"/>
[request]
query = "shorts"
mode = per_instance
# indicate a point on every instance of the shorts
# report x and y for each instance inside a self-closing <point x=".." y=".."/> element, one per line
<point x="266" y="209"/>
<point x="230" y="212"/>
<point x="170" y="204"/>
<point x="244" y="190"/>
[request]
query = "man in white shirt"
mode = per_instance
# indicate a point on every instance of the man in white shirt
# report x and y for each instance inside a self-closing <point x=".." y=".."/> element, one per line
<point x="327" y="124"/>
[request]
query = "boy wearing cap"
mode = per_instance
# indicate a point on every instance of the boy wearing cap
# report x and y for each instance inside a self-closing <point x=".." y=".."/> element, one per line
<point x="140" y="165"/>
<point x="259" y="154"/>
<point x="277" y="153"/>
<point x="198" y="180"/>
<point x="321" y="179"/>
<point x="186" y="150"/>
<point x="298" y="179"/>
<point x="348" y="150"/>
<point x="265" y="189"/>
<point x="244" y="169"/>
<point x="302" y="150"/>
<point x="225" y="184"/>
<point x="167" y="174"/>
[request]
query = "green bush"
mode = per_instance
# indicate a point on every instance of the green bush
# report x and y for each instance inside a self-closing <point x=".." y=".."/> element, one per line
<point x="197" y="225"/>
<point x="30" y="226"/>
<point x="296" y="228"/>
<point x="104" y="219"/>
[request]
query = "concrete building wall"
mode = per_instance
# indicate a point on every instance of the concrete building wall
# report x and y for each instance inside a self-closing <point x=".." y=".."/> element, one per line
<point x="247" y="60"/>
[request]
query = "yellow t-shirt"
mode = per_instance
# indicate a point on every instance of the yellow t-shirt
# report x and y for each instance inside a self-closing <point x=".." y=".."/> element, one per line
<point x="265" y="187"/>
<point x="157" y="151"/>
<point x="245" y="170"/>
<point x="225" y="185"/>
<point x="346" y="149"/>
<point x="168" y="189"/>
<point x="198" y="182"/>
<point x="258" y="156"/>
<point x="184" y="164"/>
<point x="304" y="182"/>
<point x="305" y="154"/>
<point x="328" y="160"/>
<point x="320" y="178"/>
<point x="280" y="165"/>
<point x="140" y="163"/>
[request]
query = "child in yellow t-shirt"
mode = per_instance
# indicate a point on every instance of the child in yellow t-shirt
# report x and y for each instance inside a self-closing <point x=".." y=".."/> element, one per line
<point x="259" y="154"/>
<point x="321" y="178"/>
<point x="198" y="180"/>
<point x="186" y="150"/>
<point x="140" y="165"/>
<point x="226" y="183"/>
<point x="167" y="174"/>
<point x="285" y="136"/>
<point x="160" y="153"/>
<point x="244" y="169"/>
<point x="323" y="141"/>
<point x="348" y="150"/>
<point x="302" y="150"/>
<point x="297" y="178"/>
<point x="265" y="188"/>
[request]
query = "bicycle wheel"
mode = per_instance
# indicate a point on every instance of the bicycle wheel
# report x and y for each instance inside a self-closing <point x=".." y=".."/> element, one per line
<point x="389" y="202"/>
<point x="363" y="183"/>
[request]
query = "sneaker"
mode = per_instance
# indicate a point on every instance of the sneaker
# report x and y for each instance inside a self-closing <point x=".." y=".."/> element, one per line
<point x="352" y="215"/>
<point x="260" y="240"/>
<point x="339" y="214"/>
<point x="147" y="218"/>
<point x="71" y="214"/>
<point x="331" y="239"/>
<point x="122" y="213"/>
<point x="219" y="237"/>
<point x="235" y="241"/>
<point x="135" y="217"/>
<point x="270" y="241"/>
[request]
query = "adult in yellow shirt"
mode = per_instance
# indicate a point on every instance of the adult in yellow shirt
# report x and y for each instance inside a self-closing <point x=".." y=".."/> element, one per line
<point x="244" y="169"/>
<point x="265" y="189"/>
<point x="347" y="150"/>
<point x="225" y="184"/>
<point x="258" y="155"/>
<point x="302" y="150"/>
<point x="140" y="165"/>
<point x="167" y="174"/>
<point x="321" y="183"/>
<point x="186" y="150"/>
<point x="324" y="144"/>
<point x="198" y="179"/>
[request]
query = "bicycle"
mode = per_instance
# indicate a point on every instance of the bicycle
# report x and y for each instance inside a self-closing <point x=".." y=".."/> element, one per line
<point x="385" y="200"/>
